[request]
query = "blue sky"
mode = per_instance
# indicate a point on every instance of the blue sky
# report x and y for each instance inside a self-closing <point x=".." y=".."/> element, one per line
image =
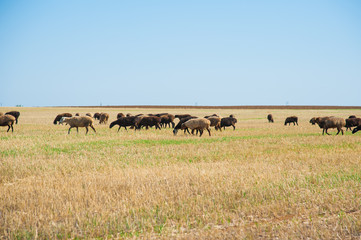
<point x="65" y="53"/>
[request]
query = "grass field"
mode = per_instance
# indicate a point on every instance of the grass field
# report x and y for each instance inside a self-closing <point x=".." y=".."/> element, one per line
<point x="260" y="181"/>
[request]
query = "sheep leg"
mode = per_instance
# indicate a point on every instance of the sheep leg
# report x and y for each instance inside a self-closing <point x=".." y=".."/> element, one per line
<point x="86" y="130"/>
<point x="77" y="130"/>
<point x="234" y="127"/>
<point x="8" y="128"/>
<point x="327" y="132"/>
<point x="201" y="132"/>
<point x="187" y="131"/>
<point x="69" y="130"/>
<point x="173" y="124"/>
<point x="93" y="128"/>
<point x="119" y="128"/>
<point x="209" y="131"/>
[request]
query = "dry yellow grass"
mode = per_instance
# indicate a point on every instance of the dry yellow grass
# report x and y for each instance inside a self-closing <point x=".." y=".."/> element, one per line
<point x="261" y="181"/>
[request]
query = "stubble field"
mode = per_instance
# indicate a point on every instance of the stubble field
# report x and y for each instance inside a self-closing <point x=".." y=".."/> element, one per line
<point x="260" y="181"/>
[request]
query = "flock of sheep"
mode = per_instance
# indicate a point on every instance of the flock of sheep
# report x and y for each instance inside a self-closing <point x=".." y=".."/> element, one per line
<point x="161" y="120"/>
<point x="186" y="122"/>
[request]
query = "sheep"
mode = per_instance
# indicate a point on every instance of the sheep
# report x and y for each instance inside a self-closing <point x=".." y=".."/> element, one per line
<point x="15" y="114"/>
<point x="215" y="122"/>
<point x="96" y="116"/>
<point x="352" y="122"/>
<point x="148" y="121"/>
<point x="103" y="118"/>
<point x="333" y="122"/>
<point x="77" y="122"/>
<point x="292" y="119"/>
<point x="270" y="118"/>
<point x="123" y="122"/>
<point x="119" y="115"/>
<point x="197" y="124"/>
<point x="88" y="114"/>
<point x="356" y="129"/>
<point x="59" y="116"/>
<point x="7" y="120"/>
<point x="179" y="124"/>
<point x="228" y="121"/>
<point x="77" y="114"/>
<point x="167" y="119"/>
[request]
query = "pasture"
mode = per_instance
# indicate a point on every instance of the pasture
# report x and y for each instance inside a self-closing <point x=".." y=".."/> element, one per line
<point x="263" y="180"/>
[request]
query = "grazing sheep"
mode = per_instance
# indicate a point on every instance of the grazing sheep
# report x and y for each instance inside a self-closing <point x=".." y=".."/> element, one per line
<point x="197" y="124"/>
<point x="88" y="114"/>
<point x="180" y="116"/>
<point x="352" y="116"/>
<point x="356" y="129"/>
<point x="7" y="120"/>
<point x="228" y="121"/>
<point x="103" y="118"/>
<point x="167" y="119"/>
<point x="59" y="116"/>
<point x="15" y="114"/>
<point x="77" y="114"/>
<point x="313" y="121"/>
<point x="148" y="121"/>
<point x="78" y="122"/>
<point x="270" y="118"/>
<point x="119" y="115"/>
<point x="179" y="124"/>
<point x="96" y="116"/>
<point x="123" y="122"/>
<point x="215" y="122"/>
<point x="292" y="119"/>
<point x="331" y="122"/>
<point x="352" y="122"/>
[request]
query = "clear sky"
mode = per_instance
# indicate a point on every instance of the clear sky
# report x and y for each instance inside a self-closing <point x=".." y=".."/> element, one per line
<point x="84" y="52"/>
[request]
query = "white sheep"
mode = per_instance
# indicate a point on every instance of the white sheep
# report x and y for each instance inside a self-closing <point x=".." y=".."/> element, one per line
<point x="197" y="124"/>
<point x="77" y="122"/>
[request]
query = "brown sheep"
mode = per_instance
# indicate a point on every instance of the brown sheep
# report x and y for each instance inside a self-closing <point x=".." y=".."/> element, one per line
<point x="96" y="116"/>
<point x="215" y="122"/>
<point x="15" y="114"/>
<point x="179" y="124"/>
<point x="119" y="115"/>
<point x="78" y="122"/>
<point x="123" y="122"/>
<point x="292" y="119"/>
<point x="197" y="124"/>
<point x="331" y="122"/>
<point x="167" y="119"/>
<point x="270" y="118"/>
<point x="148" y="121"/>
<point x="103" y="118"/>
<point x="7" y="120"/>
<point x="352" y="122"/>
<point x="59" y="116"/>
<point x="228" y="121"/>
